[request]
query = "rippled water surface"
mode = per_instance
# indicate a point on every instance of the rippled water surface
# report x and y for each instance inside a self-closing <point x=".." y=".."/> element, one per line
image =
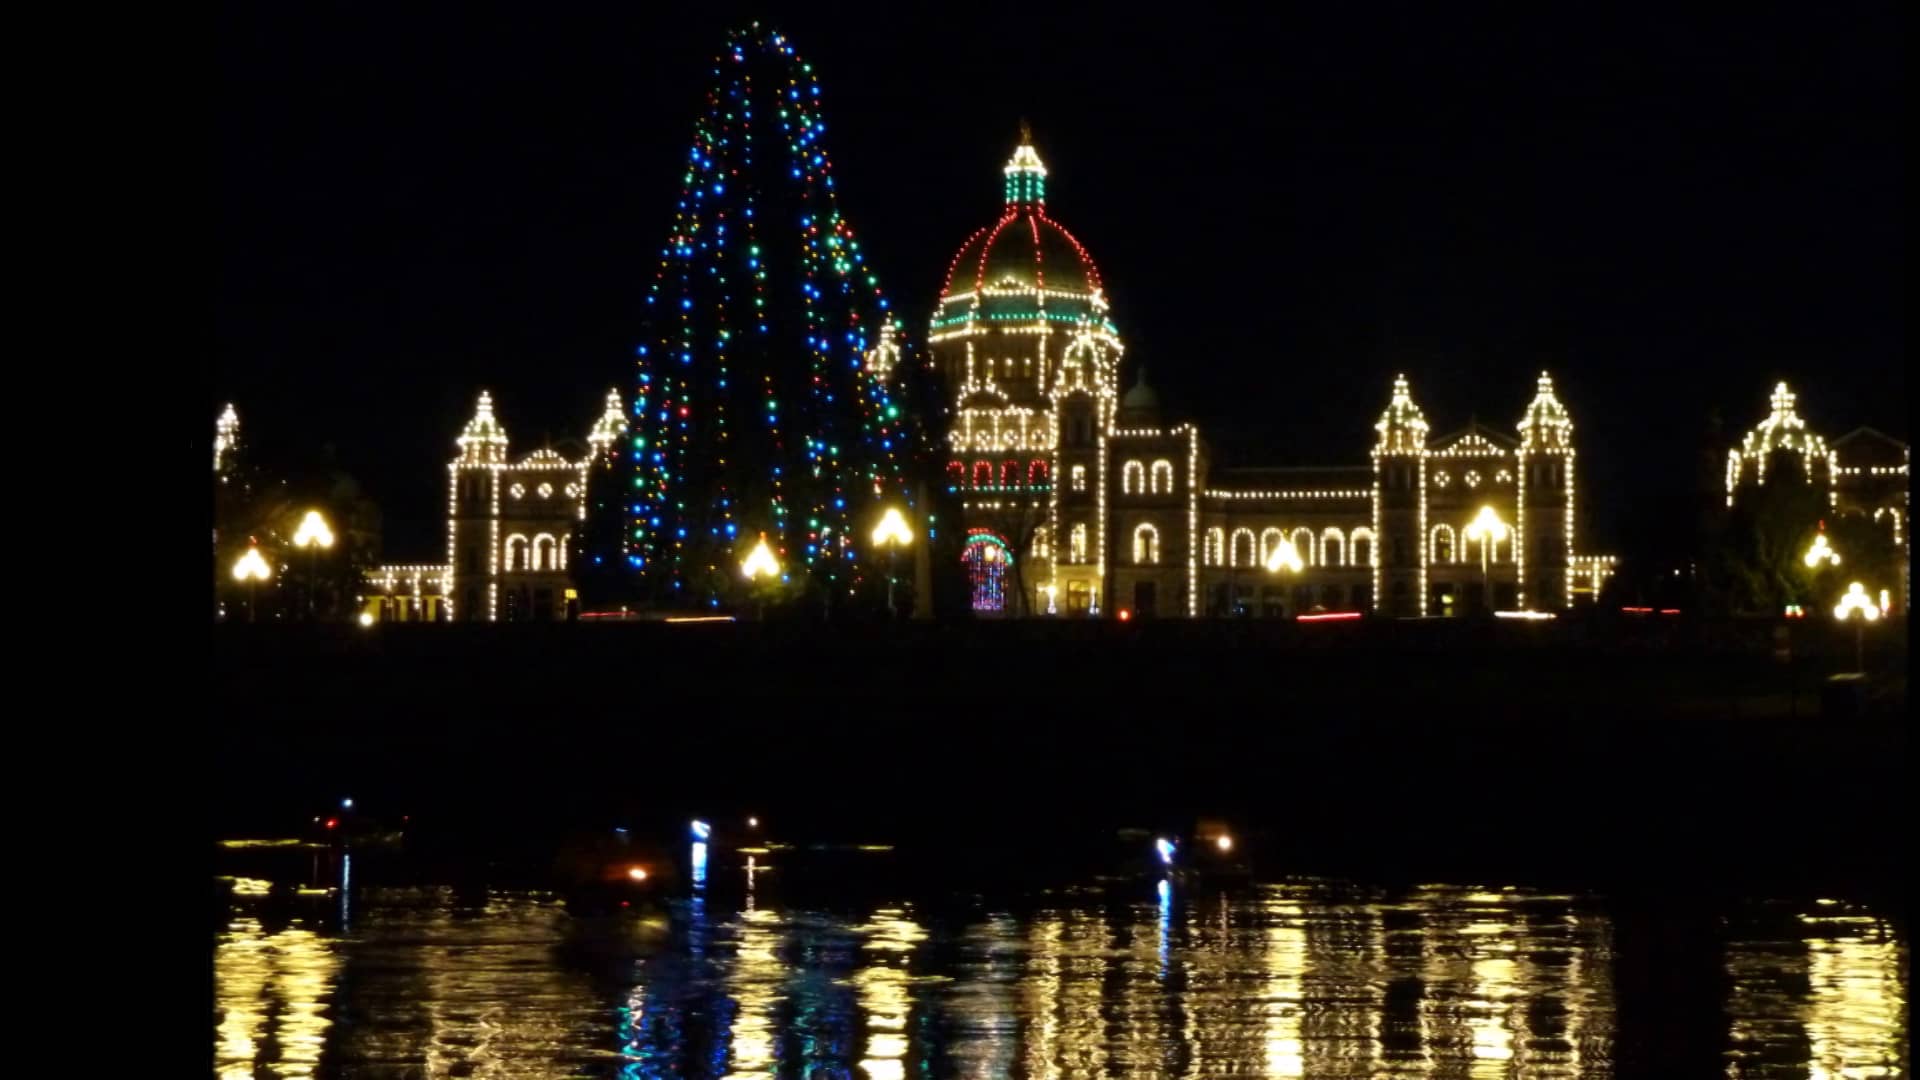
<point x="1307" y="979"/>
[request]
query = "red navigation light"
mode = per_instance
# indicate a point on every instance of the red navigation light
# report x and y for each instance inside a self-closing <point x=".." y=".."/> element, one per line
<point x="1125" y="615"/>
<point x="1669" y="611"/>
<point x="333" y="823"/>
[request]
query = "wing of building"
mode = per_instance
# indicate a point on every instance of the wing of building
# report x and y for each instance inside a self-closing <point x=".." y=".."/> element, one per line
<point x="510" y="526"/>
<point x="1081" y="500"/>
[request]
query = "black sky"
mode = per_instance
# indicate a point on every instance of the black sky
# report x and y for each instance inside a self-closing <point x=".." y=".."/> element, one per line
<point x="419" y="200"/>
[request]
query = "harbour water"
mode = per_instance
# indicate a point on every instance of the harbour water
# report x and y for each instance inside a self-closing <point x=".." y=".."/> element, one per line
<point x="1290" y="978"/>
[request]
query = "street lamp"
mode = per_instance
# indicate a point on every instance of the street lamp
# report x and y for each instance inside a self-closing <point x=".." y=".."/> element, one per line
<point x="1284" y="557"/>
<point x="1487" y="529"/>
<point x="893" y="534"/>
<point x="759" y="564"/>
<point x="252" y="569"/>
<point x="1856" y="606"/>
<point x="1821" y="552"/>
<point x="314" y="536"/>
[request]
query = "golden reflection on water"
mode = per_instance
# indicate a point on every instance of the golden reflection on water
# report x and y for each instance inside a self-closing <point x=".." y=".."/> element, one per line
<point x="755" y="985"/>
<point x="270" y="993"/>
<point x="882" y="986"/>
<point x="1824" y="995"/>
<point x="1306" y="979"/>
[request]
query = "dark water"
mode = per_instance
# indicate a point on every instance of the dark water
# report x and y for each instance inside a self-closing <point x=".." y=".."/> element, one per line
<point x="1307" y="978"/>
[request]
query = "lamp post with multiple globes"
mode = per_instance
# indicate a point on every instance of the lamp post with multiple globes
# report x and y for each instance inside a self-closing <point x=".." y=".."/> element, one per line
<point x="314" y="536"/>
<point x="893" y="534"/>
<point x="251" y="568"/>
<point x="759" y="566"/>
<point x="1486" y="529"/>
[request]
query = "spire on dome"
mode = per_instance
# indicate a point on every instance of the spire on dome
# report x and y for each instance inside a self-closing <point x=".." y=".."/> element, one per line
<point x="1402" y="428"/>
<point x="1546" y="425"/>
<point x="484" y="442"/>
<point x="1026" y="177"/>
<point x="612" y="422"/>
<point x="226" y="439"/>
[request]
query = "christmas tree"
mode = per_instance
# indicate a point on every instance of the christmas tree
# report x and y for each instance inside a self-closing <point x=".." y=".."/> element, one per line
<point x="762" y="406"/>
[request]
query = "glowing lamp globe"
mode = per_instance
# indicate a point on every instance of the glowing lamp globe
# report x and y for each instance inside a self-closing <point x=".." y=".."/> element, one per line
<point x="251" y="566"/>
<point x="1857" y="604"/>
<point x="760" y="562"/>
<point x="1284" y="557"/>
<point x="313" y="532"/>
<point x="892" y="529"/>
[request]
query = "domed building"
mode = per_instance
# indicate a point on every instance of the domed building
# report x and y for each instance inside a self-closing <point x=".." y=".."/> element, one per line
<point x="1078" y="500"/>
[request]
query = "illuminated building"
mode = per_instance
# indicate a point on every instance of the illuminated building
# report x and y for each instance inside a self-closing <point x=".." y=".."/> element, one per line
<point x="1080" y="500"/>
<point x="1863" y="472"/>
<point x="510" y="525"/>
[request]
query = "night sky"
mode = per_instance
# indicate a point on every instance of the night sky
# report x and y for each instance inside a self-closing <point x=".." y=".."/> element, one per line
<point x="419" y="200"/>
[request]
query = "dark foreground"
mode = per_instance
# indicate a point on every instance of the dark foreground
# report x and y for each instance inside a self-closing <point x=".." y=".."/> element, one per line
<point x="1617" y="755"/>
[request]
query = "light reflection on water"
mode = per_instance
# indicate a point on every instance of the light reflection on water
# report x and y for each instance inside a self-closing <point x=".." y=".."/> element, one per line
<point x="1309" y="979"/>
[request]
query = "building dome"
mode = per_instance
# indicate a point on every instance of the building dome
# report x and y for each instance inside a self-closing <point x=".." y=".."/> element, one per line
<point x="1140" y="405"/>
<point x="1025" y="266"/>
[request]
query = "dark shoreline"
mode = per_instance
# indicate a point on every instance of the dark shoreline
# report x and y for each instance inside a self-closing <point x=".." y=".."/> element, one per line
<point x="1618" y="756"/>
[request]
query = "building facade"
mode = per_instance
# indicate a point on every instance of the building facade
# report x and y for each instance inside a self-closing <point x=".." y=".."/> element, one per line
<point x="1863" y="472"/>
<point x="510" y="524"/>
<point x="1079" y="500"/>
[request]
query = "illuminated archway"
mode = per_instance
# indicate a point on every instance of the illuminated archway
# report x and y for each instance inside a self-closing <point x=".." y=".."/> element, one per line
<point x="987" y="558"/>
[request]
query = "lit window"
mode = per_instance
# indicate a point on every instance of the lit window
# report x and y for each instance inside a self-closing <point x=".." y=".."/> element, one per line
<point x="546" y="491"/>
<point x="1146" y="545"/>
<point x="1077" y="544"/>
<point x="518" y="491"/>
<point x="1133" y="478"/>
<point x="1079" y="475"/>
<point x="1216" y="546"/>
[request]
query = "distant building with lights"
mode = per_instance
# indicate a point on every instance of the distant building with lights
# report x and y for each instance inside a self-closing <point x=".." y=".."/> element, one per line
<point x="1864" y="472"/>
<point x="1079" y="500"/>
<point x="509" y="527"/>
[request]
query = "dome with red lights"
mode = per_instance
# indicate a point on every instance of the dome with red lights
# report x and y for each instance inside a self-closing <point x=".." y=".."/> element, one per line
<point x="1023" y="268"/>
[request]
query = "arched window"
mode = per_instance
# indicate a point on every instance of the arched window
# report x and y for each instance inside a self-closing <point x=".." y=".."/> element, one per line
<point x="1079" y="477"/>
<point x="1146" y="545"/>
<point x="1333" y="547"/>
<point x="1009" y="474"/>
<point x="1133" y="478"/>
<point x="987" y="558"/>
<point x="1270" y="541"/>
<point x="1162" y="477"/>
<point x="565" y="543"/>
<point x="956" y="474"/>
<point x="1442" y="550"/>
<point x="1362" y="547"/>
<point x="1303" y="543"/>
<point x="516" y="552"/>
<point x="1216" y="547"/>
<point x="1037" y="472"/>
<point x="544" y="557"/>
<point x="982" y="474"/>
<point x="1241" y="551"/>
<point x="1077" y="544"/>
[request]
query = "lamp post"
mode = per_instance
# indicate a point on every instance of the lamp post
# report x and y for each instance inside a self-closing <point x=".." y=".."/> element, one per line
<point x="314" y="536"/>
<point x="1820" y="552"/>
<point x="1284" y="557"/>
<point x="893" y="534"/>
<point x="759" y="564"/>
<point x="1857" y="607"/>
<point x="1487" y="528"/>
<point x="251" y="568"/>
